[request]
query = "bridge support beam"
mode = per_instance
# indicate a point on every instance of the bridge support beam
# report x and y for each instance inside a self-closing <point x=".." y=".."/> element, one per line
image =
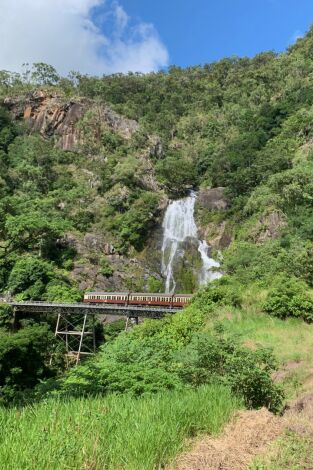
<point x="78" y="334"/>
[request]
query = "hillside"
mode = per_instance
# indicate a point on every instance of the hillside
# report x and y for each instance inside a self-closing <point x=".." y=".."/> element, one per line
<point x="88" y="166"/>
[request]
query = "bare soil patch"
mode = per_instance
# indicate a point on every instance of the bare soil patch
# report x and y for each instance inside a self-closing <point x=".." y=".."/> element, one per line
<point x="286" y="370"/>
<point x="245" y="437"/>
<point x="250" y="434"/>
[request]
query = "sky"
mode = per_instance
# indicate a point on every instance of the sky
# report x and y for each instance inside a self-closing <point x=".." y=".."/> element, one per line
<point x="109" y="36"/>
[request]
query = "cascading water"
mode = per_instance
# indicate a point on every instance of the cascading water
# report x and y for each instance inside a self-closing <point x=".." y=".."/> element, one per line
<point x="179" y="225"/>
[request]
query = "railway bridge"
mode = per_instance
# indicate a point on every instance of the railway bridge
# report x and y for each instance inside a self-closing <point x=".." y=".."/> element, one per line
<point x="75" y="323"/>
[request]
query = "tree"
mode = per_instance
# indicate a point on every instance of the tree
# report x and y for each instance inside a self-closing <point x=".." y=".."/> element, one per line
<point x="44" y="74"/>
<point x="29" y="277"/>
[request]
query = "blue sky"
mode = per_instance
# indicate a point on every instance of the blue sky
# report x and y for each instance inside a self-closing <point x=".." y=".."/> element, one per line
<point x="108" y="36"/>
<point x="200" y="31"/>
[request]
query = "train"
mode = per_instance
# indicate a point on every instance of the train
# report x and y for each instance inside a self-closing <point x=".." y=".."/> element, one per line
<point x="135" y="298"/>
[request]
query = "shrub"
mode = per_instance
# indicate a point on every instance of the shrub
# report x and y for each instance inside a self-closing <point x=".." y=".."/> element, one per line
<point x="221" y="292"/>
<point x="6" y="315"/>
<point x="105" y="268"/>
<point x="212" y="358"/>
<point x="289" y="297"/>
<point x="24" y="361"/>
<point x="62" y="293"/>
<point x="28" y="276"/>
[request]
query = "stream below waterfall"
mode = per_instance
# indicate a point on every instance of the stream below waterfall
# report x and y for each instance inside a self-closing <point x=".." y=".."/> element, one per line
<point x="179" y="226"/>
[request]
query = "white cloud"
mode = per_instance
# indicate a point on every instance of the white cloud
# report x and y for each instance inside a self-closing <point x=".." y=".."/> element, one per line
<point x="90" y="36"/>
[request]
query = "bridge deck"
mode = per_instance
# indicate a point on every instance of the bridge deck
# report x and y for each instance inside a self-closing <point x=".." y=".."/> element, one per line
<point x="83" y="308"/>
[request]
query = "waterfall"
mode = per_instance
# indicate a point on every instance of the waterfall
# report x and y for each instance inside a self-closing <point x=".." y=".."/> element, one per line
<point x="179" y="225"/>
<point x="206" y="274"/>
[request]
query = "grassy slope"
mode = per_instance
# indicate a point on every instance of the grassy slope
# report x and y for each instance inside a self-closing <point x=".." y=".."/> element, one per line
<point x="290" y="340"/>
<point x="111" y="432"/>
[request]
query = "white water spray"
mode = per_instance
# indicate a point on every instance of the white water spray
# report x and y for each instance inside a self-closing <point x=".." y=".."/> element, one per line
<point x="178" y="225"/>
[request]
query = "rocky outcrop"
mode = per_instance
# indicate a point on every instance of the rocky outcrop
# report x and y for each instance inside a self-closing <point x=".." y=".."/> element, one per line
<point x="49" y="115"/>
<point x="156" y="147"/>
<point x="217" y="232"/>
<point x="92" y="249"/>
<point x="213" y="199"/>
<point x="268" y="227"/>
<point x="218" y="235"/>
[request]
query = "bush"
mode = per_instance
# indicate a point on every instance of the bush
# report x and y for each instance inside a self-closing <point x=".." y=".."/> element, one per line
<point x="6" y="315"/>
<point x="62" y="293"/>
<point x="212" y="358"/>
<point x="28" y="277"/>
<point x="170" y="354"/>
<point x="105" y="268"/>
<point x="289" y="297"/>
<point x="24" y="361"/>
<point x="221" y="292"/>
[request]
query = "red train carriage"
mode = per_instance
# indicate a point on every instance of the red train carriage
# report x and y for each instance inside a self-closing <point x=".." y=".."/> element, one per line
<point x="135" y="298"/>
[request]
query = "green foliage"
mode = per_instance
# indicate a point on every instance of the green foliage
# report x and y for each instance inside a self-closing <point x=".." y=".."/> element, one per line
<point x="212" y="358"/>
<point x="177" y="174"/>
<point x="289" y="297"/>
<point x="105" y="268"/>
<point x="245" y="124"/>
<point x="171" y="354"/>
<point x="62" y="293"/>
<point x="155" y="285"/>
<point x="24" y="361"/>
<point x="219" y="293"/>
<point x="29" y="276"/>
<point x="133" y="226"/>
<point x="154" y="428"/>
<point x="112" y="330"/>
<point x="6" y="316"/>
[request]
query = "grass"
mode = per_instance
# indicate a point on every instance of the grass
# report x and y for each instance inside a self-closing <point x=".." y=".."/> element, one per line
<point x="290" y="340"/>
<point x="114" y="432"/>
<point x="292" y="452"/>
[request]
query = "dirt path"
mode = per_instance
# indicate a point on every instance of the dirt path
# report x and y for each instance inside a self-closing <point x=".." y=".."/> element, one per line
<point x="249" y="434"/>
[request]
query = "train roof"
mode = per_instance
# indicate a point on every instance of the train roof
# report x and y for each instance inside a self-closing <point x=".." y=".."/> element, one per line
<point x="106" y="293"/>
<point x="139" y="293"/>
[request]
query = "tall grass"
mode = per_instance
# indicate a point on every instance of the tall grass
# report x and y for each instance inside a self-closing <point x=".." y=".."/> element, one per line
<point x="114" y="432"/>
<point x="290" y="339"/>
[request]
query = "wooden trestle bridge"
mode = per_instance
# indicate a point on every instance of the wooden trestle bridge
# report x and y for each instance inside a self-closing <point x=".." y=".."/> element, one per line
<point x="75" y="323"/>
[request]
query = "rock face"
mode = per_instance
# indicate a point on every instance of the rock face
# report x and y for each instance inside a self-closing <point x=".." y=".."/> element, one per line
<point x="50" y="116"/>
<point x="218" y="235"/>
<point x="92" y="249"/>
<point x="213" y="199"/>
<point x="269" y="227"/>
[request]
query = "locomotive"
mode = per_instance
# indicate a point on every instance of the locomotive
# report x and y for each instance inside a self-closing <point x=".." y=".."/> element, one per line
<point x="135" y="298"/>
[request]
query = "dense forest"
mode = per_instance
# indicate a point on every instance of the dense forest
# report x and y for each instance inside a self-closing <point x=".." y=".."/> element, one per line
<point x="245" y="125"/>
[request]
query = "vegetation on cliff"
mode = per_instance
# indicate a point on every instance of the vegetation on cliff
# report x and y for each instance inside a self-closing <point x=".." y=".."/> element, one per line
<point x="84" y="179"/>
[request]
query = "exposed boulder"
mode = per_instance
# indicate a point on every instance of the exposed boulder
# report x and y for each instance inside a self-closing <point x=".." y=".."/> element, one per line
<point x="213" y="199"/>
<point x="218" y="235"/>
